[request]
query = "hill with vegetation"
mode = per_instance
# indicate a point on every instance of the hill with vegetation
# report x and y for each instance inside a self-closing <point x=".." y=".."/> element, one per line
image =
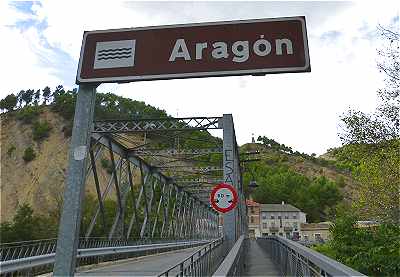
<point x="316" y="185"/>
<point x="35" y="134"/>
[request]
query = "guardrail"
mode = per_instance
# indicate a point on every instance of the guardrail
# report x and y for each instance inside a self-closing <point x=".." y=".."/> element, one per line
<point x="201" y="263"/>
<point x="294" y="259"/>
<point x="233" y="263"/>
<point x="106" y="253"/>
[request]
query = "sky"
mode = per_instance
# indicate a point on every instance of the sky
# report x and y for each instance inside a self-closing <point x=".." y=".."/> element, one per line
<point x="42" y="40"/>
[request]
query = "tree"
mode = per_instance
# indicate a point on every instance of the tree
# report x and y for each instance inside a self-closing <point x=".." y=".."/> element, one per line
<point x="389" y="65"/>
<point x="9" y="102"/>
<point x="46" y="94"/>
<point x="64" y="102"/>
<point x="373" y="251"/>
<point x="36" y="97"/>
<point x="373" y="140"/>
<point x="23" y="223"/>
<point x="384" y="124"/>
<point x="27" y="96"/>
<point x="59" y="90"/>
<point x="376" y="168"/>
<point x="277" y="182"/>
<point x="20" y="99"/>
<point x="6" y="232"/>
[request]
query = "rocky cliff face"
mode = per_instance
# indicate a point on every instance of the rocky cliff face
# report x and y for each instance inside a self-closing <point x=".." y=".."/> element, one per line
<point x="39" y="182"/>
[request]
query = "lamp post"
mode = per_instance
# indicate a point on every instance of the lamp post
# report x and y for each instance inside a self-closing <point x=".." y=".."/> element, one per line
<point x="252" y="185"/>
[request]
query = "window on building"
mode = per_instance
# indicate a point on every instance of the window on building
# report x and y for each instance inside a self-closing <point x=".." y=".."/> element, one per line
<point x="279" y="217"/>
<point x="265" y="225"/>
<point x="251" y="219"/>
<point x="264" y="216"/>
<point x="286" y="217"/>
<point x="281" y="234"/>
<point x="272" y="216"/>
<point x="252" y="210"/>
<point x="294" y="216"/>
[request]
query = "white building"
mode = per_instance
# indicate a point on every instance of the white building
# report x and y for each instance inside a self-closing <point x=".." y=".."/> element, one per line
<point x="281" y="219"/>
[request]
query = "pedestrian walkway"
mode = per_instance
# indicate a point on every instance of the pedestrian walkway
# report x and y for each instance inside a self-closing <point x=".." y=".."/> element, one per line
<point x="144" y="266"/>
<point x="258" y="262"/>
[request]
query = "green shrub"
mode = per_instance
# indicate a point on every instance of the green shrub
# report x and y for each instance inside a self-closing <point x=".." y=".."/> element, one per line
<point x="28" y="114"/>
<point x="10" y="150"/>
<point x="29" y="154"/>
<point x="373" y="251"/>
<point x="106" y="164"/>
<point x="64" y="103"/>
<point x="41" y="130"/>
<point x="25" y="225"/>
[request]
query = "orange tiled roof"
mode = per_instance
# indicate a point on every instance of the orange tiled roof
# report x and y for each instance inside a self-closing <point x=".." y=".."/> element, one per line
<point x="252" y="203"/>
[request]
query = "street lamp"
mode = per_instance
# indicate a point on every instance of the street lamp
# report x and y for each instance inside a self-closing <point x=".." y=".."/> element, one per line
<point x="253" y="184"/>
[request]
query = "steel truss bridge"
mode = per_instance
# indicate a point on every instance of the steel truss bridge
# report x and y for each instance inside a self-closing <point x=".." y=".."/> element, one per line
<point x="159" y="184"/>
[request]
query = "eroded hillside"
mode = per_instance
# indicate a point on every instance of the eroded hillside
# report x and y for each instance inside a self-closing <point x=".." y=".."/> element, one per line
<point x="39" y="182"/>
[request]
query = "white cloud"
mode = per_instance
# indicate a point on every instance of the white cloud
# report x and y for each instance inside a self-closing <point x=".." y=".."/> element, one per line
<point x="300" y="110"/>
<point x="20" y="54"/>
<point x="8" y="15"/>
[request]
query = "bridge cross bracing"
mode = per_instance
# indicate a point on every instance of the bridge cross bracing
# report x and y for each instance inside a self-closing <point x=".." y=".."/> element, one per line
<point x="159" y="180"/>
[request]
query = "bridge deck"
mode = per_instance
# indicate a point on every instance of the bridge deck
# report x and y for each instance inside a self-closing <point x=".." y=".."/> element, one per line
<point x="143" y="266"/>
<point x="258" y="262"/>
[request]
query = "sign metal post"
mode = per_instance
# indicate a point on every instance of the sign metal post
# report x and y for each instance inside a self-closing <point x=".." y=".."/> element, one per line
<point x="229" y="144"/>
<point x="68" y="234"/>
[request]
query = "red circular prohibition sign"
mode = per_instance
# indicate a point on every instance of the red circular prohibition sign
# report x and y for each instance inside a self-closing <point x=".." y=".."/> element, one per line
<point x="220" y="196"/>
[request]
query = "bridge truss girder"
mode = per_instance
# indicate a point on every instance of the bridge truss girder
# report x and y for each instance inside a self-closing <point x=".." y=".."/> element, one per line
<point x="159" y="124"/>
<point x="152" y="197"/>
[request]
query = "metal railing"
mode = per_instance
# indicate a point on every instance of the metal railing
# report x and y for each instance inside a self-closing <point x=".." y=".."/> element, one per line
<point x="202" y="263"/>
<point x="294" y="259"/>
<point x="233" y="263"/>
<point x="94" y="252"/>
<point x="24" y="249"/>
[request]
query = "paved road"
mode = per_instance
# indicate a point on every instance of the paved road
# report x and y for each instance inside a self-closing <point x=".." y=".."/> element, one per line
<point x="258" y="262"/>
<point x="144" y="266"/>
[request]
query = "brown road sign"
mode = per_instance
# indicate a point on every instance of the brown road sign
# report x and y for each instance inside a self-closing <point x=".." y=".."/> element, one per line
<point x="229" y="48"/>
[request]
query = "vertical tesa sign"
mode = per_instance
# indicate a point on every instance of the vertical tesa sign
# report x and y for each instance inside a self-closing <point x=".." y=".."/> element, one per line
<point x="243" y="47"/>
